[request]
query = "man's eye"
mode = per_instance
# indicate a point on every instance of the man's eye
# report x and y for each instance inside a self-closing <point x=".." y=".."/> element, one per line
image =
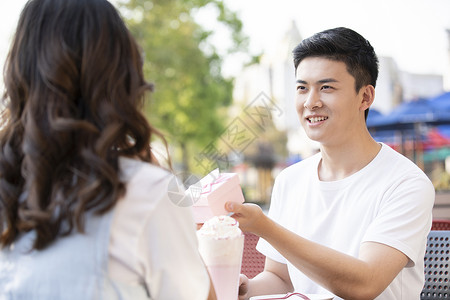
<point x="326" y="87"/>
<point x="300" y="87"/>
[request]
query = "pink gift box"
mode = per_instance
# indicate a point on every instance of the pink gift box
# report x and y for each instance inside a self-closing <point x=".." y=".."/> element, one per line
<point x="215" y="191"/>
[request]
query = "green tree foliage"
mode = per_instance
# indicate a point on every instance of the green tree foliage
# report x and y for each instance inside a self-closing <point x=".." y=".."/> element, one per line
<point x="191" y="94"/>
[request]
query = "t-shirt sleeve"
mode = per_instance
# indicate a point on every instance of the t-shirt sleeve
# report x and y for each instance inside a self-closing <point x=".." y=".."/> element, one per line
<point x="174" y="268"/>
<point x="404" y="218"/>
<point x="274" y="213"/>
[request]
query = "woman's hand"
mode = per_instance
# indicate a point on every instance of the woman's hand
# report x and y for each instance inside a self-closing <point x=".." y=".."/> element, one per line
<point x="243" y="287"/>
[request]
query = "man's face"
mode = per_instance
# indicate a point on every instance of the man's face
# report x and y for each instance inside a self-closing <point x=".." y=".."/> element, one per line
<point x="327" y="104"/>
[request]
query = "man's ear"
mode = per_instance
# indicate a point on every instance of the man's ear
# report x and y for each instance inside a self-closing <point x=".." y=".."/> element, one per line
<point x="368" y="96"/>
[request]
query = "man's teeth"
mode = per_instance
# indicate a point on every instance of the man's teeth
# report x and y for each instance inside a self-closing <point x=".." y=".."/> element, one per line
<point x="317" y="119"/>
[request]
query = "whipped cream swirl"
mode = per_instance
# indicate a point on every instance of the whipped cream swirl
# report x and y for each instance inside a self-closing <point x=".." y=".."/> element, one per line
<point x="220" y="227"/>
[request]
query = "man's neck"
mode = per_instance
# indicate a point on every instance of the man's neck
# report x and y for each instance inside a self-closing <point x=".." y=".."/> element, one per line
<point x="345" y="159"/>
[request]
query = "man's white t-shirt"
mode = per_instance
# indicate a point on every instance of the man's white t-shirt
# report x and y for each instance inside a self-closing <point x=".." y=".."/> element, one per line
<point x="389" y="201"/>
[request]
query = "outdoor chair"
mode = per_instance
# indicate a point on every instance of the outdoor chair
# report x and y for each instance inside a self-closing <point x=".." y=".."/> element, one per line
<point x="440" y="225"/>
<point x="437" y="266"/>
<point x="252" y="260"/>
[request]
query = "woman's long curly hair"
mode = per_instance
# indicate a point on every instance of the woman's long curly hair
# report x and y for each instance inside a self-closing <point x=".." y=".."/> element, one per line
<point x="74" y="90"/>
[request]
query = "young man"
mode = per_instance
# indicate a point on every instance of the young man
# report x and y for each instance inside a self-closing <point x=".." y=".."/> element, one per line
<point x="353" y="219"/>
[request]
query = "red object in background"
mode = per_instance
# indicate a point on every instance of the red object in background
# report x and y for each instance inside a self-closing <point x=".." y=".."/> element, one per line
<point x="436" y="139"/>
<point x="440" y="225"/>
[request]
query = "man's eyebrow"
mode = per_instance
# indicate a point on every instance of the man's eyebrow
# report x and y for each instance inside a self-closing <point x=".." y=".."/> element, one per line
<point x="325" y="80"/>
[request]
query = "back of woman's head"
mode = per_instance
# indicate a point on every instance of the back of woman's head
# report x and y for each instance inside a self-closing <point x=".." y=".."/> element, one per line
<point x="74" y="88"/>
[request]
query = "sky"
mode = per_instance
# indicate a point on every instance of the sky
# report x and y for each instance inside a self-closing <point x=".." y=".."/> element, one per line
<point x="413" y="32"/>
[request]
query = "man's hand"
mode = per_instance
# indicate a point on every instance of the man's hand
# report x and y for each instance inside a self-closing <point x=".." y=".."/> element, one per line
<point x="251" y="218"/>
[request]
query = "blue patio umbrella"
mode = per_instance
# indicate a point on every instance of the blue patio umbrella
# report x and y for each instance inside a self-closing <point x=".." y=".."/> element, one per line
<point x="441" y="102"/>
<point x="402" y="124"/>
<point x="409" y="113"/>
<point x="373" y="115"/>
<point x="375" y="118"/>
<point x="413" y="111"/>
<point x="408" y="119"/>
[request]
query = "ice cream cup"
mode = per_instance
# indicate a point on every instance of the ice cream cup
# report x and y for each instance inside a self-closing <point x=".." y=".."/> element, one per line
<point x="221" y="245"/>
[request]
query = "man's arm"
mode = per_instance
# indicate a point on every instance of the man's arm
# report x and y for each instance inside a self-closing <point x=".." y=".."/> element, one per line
<point x="348" y="277"/>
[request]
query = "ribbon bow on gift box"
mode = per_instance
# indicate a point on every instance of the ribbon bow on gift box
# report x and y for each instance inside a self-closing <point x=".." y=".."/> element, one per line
<point x="207" y="188"/>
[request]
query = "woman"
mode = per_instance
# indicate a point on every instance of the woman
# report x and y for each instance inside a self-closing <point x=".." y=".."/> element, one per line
<point x="84" y="209"/>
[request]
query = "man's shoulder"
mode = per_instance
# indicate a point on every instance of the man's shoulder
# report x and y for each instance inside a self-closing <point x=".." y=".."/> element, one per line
<point x="395" y="168"/>
<point x="397" y="161"/>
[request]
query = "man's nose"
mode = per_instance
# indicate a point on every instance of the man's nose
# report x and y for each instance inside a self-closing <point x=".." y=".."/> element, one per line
<point x="312" y="100"/>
